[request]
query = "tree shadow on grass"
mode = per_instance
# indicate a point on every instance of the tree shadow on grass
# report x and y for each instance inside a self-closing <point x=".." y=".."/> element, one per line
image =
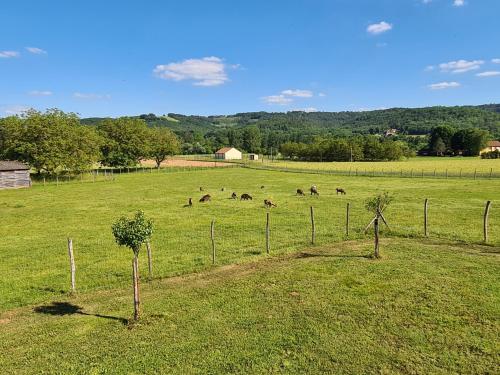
<point x="66" y="308"/>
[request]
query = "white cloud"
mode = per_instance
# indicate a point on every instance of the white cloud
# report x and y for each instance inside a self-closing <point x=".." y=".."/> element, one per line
<point x="298" y="93"/>
<point x="495" y="61"/>
<point x="36" y="51"/>
<point x="492" y="73"/>
<point x="40" y="93"/>
<point x="321" y="94"/>
<point x="379" y="28"/>
<point x="444" y="85"/>
<point x="429" y="68"/>
<point x="458" y="3"/>
<point x="277" y="99"/>
<point x="461" y="66"/>
<point x="15" y="109"/>
<point x="80" y="95"/>
<point x="208" y="71"/>
<point x="307" y="110"/>
<point x="8" y="54"/>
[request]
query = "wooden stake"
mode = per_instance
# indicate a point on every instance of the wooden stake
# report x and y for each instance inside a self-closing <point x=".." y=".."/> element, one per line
<point x="72" y="264"/>
<point x="426" y="206"/>
<point x="375" y="228"/>
<point x="347" y="220"/>
<point x="150" y="260"/>
<point x="313" y="226"/>
<point x="485" y="221"/>
<point x="268" y="240"/>
<point x="135" y="276"/>
<point x="212" y="237"/>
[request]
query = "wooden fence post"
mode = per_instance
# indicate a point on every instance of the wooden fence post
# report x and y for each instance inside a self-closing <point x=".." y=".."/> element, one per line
<point x="375" y="228"/>
<point x="212" y="238"/>
<point x="72" y="264"/>
<point x="313" y="226"/>
<point x="485" y="221"/>
<point x="347" y="220"/>
<point x="426" y="206"/>
<point x="150" y="260"/>
<point x="268" y="239"/>
<point x="135" y="283"/>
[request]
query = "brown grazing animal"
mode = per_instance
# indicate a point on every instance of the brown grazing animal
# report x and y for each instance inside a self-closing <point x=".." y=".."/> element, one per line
<point x="246" y="197"/>
<point x="223" y="189"/>
<point x="300" y="192"/>
<point x="234" y="196"/>
<point x="314" y="190"/>
<point x="341" y="191"/>
<point x="268" y="203"/>
<point x="205" y="198"/>
<point x="262" y="187"/>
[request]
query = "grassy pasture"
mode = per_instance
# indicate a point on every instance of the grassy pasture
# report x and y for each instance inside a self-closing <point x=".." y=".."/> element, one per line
<point x="428" y="307"/>
<point x="36" y="223"/>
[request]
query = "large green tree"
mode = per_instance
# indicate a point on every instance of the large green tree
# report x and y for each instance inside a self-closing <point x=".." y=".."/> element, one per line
<point x="125" y="141"/>
<point x="162" y="143"/>
<point x="50" y="141"/>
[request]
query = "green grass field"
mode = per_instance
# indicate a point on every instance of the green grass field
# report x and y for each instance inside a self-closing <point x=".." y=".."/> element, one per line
<point x="427" y="306"/>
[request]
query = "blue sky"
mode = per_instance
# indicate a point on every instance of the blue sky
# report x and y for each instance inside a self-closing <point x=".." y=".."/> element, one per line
<point x="111" y="58"/>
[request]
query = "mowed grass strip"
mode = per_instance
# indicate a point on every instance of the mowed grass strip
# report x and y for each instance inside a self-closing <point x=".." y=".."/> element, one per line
<point x="37" y="222"/>
<point x="455" y="166"/>
<point x="425" y="307"/>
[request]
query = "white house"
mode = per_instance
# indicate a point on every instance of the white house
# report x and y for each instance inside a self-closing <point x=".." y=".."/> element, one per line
<point x="253" y="156"/>
<point x="228" y="153"/>
<point x="491" y="146"/>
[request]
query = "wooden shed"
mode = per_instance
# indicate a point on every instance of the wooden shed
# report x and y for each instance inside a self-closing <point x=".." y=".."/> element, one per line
<point x="14" y="174"/>
<point x="228" y="153"/>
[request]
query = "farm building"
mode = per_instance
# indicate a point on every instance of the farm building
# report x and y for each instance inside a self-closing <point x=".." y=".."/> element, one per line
<point x="253" y="157"/>
<point x="491" y="146"/>
<point x="228" y="153"/>
<point x="14" y="174"/>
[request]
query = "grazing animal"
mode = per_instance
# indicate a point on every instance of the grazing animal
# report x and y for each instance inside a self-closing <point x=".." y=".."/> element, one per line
<point x="246" y="197"/>
<point x="201" y="188"/>
<point x="223" y="189"/>
<point x="262" y="187"/>
<point x="268" y="203"/>
<point x="341" y="191"/>
<point x="190" y="203"/>
<point x="234" y="196"/>
<point x="205" y="198"/>
<point x="300" y="192"/>
<point x="314" y="190"/>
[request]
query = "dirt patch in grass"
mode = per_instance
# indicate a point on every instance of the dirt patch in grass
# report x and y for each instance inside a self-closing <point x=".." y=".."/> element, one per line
<point x="185" y="163"/>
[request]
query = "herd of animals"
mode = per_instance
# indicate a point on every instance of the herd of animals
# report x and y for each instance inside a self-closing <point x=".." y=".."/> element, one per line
<point x="267" y="202"/>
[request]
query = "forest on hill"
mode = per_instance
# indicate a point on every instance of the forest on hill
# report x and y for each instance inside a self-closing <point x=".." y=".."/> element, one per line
<point x="267" y="131"/>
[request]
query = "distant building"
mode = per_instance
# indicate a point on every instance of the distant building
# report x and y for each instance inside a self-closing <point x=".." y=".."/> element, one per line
<point x="253" y="157"/>
<point x="14" y="174"/>
<point x="390" y="133"/>
<point x="228" y="153"/>
<point x="491" y="146"/>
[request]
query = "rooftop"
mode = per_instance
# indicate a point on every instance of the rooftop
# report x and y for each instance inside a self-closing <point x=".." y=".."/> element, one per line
<point x="6" y="165"/>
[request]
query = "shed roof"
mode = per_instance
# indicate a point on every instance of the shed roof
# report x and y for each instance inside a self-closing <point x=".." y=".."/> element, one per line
<point x="224" y="150"/>
<point x="6" y="165"/>
<point x="494" y="144"/>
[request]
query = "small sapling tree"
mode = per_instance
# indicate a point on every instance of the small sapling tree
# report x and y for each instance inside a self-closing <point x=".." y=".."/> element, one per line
<point x="377" y="205"/>
<point x="133" y="233"/>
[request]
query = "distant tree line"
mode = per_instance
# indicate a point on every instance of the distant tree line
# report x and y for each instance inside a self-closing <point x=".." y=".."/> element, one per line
<point x="447" y="140"/>
<point x="55" y="141"/>
<point x="360" y="148"/>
